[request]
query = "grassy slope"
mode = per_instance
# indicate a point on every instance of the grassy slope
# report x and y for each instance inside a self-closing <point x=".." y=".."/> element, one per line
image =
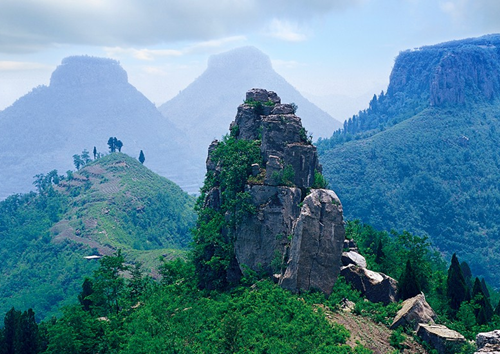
<point x="436" y="173"/>
<point x="112" y="203"/>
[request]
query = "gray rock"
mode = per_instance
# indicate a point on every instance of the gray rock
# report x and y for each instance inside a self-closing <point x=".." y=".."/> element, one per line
<point x="443" y="339"/>
<point x="352" y="257"/>
<point x="260" y="95"/>
<point x="488" y="342"/>
<point x="283" y="109"/>
<point x="316" y="245"/>
<point x="414" y="311"/>
<point x="261" y="238"/>
<point x="377" y="287"/>
<point x="274" y="170"/>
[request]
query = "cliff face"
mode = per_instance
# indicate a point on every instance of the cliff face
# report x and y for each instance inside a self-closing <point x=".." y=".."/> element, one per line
<point x="295" y="232"/>
<point x="449" y="73"/>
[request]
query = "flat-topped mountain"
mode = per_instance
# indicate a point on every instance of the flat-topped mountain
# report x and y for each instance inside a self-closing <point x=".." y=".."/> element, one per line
<point x="88" y="100"/>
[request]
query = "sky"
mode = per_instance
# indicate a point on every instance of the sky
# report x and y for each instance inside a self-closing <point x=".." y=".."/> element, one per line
<point x="338" y="53"/>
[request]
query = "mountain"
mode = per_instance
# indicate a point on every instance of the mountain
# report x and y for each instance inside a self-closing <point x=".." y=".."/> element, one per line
<point x="111" y="203"/>
<point x="424" y="156"/>
<point x="88" y="100"/>
<point x="205" y="108"/>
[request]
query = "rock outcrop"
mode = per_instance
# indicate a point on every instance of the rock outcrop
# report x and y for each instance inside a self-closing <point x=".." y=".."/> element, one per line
<point x="377" y="287"/>
<point x="296" y="232"/>
<point x="488" y="342"/>
<point x="352" y="257"/>
<point x="414" y="311"/>
<point x="443" y="339"/>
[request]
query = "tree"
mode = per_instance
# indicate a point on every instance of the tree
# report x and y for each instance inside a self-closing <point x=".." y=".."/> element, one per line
<point x="119" y="145"/>
<point x="141" y="157"/>
<point x="27" y="334"/>
<point x="483" y="311"/>
<point x="85" y="156"/>
<point x="408" y="283"/>
<point x="467" y="274"/>
<point x="457" y="291"/>
<point x="95" y="153"/>
<point x="112" y="144"/>
<point x="108" y="284"/>
<point x="78" y="162"/>
<point x="84" y="296"/>
<point x="10" y="321"/>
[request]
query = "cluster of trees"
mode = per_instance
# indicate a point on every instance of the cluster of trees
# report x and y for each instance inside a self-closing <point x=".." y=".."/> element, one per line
<point x="114" y="144"/>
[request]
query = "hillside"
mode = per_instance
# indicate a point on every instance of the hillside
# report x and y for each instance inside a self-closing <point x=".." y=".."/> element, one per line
<point x="424" y="156"/>
<point x="204" y="109"/>
<point x="112" y="203"/>
<point x="88" y="100"/>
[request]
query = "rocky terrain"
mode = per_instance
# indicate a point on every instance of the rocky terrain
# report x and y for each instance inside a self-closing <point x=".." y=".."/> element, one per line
<point x="295" y="230"/>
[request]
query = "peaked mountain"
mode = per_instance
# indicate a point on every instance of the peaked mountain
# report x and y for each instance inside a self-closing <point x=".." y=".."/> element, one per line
<point x="205" y="108"/>
<point x="111" y="203"/>
<point x="424" y="156"/>
<point x="88" y="100"/>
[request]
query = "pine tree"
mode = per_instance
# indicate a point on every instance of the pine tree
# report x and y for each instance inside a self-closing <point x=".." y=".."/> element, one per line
<point x="112" y="144"/>
<point x="95" y="153"/>
<point x="456" y="291"/>
<point x="119" y="145"/>
<point x="11" y="322"/>
<point x="467" y="274"/>
<point x="141" y="157"/>
<point x="408" y="283"/>
<point x="484" y="311"/>
<point x="379" y="255"/>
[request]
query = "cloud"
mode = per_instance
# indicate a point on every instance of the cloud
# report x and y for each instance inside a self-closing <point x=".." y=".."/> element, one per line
<point x="27" y="25"/>
<point x="286" y="30"/>
<point x="22" y="66"/>
<point x="152" y="54"/>
<point x="482" y="15"/>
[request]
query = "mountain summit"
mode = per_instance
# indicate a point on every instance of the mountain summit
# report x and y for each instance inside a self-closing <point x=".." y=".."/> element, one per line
<point x="88" y="100"/>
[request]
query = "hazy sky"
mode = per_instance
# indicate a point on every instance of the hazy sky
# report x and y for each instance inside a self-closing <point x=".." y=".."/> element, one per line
<point x="324" y="48"/>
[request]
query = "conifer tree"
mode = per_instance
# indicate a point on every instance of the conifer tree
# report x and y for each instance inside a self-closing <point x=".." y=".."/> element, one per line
<point x="467" y="274"/>
<point x="408" y="283"/>
<point x="141" y="157"/>
<point x="484" y="311"/>
<point x="379" y="255"/>
<point x="457" y="291"/>
<point x="95" y="153"/>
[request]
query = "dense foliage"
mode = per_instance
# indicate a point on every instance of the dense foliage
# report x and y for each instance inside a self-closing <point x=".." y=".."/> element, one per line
<point x="174" y="316"/>
<point x="213" y="248"/>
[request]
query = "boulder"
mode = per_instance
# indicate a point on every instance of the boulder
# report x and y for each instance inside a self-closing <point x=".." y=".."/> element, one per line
<point x="316" y="246"/>
<point x="377" y="287"/>
<point x="488" y="342"/>
<point x="352" y="257"/>
<point x="414" y="311"/>
<point x="443" y="339"/>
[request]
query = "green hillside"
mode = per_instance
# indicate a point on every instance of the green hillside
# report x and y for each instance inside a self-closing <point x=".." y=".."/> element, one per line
<point x="112" y="203"/>
<point x="424" y="156"/>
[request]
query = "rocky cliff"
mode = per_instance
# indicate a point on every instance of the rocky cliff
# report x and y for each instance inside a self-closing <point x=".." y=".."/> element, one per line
<point x="449" y="73"/>
<point x="292" y="230"/>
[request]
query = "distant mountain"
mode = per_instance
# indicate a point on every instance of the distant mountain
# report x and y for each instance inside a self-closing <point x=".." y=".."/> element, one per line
<point x="206" y="107"/>
<point x="425" y="155"/>
<point x="112" y="203"/>
<point x="88" y="100"/>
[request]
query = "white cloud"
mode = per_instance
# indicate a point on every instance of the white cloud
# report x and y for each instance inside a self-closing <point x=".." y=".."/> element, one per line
<point x="286" y="30"/>
<point x="22" y="66"/>
<point x="27" y="25"/>
<point x="152" y="54"/>
<point x="286" y="64"/>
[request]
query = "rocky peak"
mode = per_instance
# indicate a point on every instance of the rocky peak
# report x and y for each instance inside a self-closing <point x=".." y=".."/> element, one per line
<point x="82" y="71"/>
<point x="296" y="231"/>
<point x="287" y="152"/>
<point x="449" y="73"/>
<point x="244" y="59"/>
